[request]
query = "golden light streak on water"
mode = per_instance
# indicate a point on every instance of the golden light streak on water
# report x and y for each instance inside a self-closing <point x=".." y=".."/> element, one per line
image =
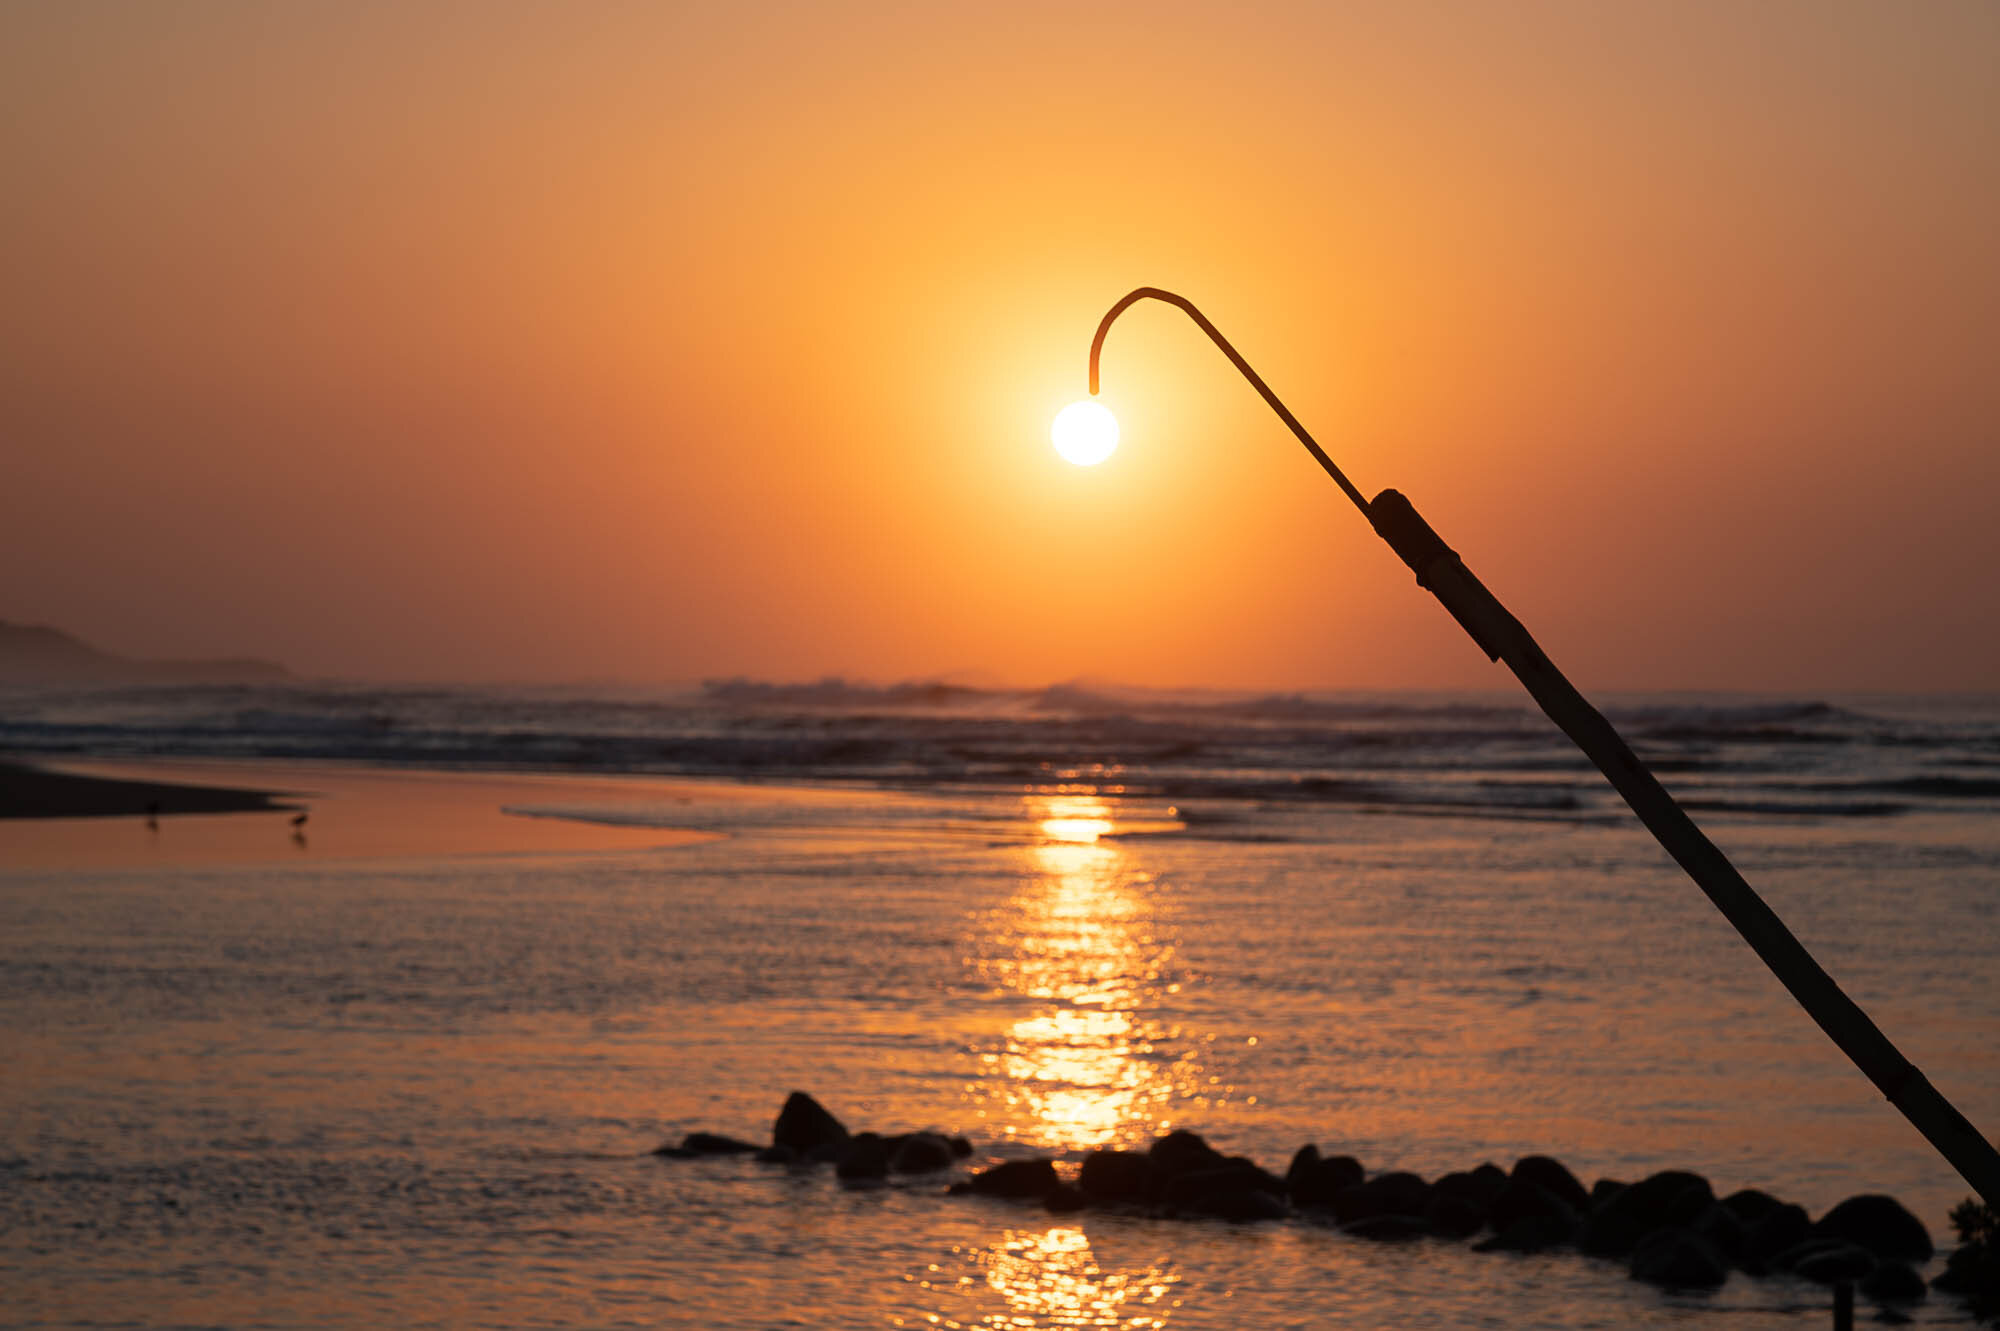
<point x="1082" y="935"/>
<point x="1073" y="819"/>
<point x="1052" y="1278"/>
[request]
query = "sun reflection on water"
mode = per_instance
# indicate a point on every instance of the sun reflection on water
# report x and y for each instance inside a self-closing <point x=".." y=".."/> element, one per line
<point x="1094" y="1061"/>
<point x="1051" y="1278"/>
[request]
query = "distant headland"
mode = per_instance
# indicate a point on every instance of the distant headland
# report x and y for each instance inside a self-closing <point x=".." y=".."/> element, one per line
<point x="36" y="655"/>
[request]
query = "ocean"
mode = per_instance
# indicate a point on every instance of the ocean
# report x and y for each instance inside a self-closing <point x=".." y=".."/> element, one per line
<point x="308" y="1088"/>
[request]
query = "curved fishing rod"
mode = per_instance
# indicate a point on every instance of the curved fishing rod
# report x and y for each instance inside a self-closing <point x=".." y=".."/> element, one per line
<point x="1236" y="359"/>
<point x="1504" y="638"/>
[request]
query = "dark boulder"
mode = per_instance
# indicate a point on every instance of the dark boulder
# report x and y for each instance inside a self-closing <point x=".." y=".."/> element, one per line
<point x="1972" y="1272"/>
<point x="1257" y="1175"/>
<point x="1687" y="1205"/>
<point x="1476" y="1187"/>
<point x="1013" y="1178"/>
<point x="1554" y="1177"/>
<point x="1064" y="1200"/>
<point x="960" y="1146"/>
<point x="1304" y="1161"/>
<point x="1678" y="1258"/>
<point x="1183" y="1152"/>
<point x="1219" y="1191"/>
<point x="1388" y="1228"/>
<point x="1719" y="1226"/>
<point x="779" y="1155"/>
<point x="1535" y="1232"/>
<point x="866" y="1159"/>
<point x="1834" y="1263"/>
<point x="1604" y="1190"/>
<point x="1809" y="1246"/>
<point x="1117" y="1176"/>
<point x="920" y="1153"/>
<point x="805" y="1126"/>
<point x="1397" y="1193"/>
<point x="1893" y="1282"/>
<point x="711" y="1143"/>
<point x="1521" y="1197"/>
<point x="1775" y="1232"/>
<point x="1751" y="1205"/>
<point x="1181" y="1190"/>
<point x="1614" y="1228"/>
<point x="1323" y="1180"/>
<point x="1452" y="1215"/>
<point x="1879" y="1224"/>
<point x="1239" y="1203"/>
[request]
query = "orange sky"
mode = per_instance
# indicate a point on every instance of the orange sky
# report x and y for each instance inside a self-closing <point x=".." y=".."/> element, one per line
<point x="656" y="342"/>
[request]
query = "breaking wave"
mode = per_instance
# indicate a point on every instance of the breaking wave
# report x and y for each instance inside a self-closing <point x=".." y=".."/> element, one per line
<point x="1490" y="755"/>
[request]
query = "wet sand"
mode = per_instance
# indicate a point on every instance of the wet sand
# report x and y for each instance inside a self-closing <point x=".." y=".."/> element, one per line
<point x="95" y="814"/>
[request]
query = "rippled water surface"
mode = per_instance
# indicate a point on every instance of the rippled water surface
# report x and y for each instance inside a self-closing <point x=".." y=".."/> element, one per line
<point x="420" y="1091"/>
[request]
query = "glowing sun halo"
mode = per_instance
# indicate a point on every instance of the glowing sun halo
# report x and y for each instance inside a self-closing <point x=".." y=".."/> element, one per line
<point x="1085" y="433"/>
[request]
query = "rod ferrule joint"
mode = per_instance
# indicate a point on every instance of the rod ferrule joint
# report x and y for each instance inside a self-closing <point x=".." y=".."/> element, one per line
<point x="1397" y="521"/>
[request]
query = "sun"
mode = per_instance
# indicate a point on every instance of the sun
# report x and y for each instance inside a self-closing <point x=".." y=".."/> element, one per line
<point x="1085" y="433"/>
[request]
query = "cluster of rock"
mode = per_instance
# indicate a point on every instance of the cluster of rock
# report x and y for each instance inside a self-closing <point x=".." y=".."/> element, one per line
<point x="807" y="1134"/>
<point x="1669" y="1229"/>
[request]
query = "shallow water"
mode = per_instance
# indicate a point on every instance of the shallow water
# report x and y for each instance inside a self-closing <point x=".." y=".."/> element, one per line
<point x="420" y="1091"/>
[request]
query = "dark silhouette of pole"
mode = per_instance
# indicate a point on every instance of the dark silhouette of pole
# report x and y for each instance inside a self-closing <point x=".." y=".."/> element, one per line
<point x="1503" y="638"/>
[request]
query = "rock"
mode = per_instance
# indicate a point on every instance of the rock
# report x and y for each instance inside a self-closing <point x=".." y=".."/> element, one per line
<point x="960" y="1146"/>
<point x="920" y="1153"/>
<point x="1522" y="1197"/>
<point x="1970" y="1271"/>
<point x="710" y="1143"/>
<point x="1218" y="1191"/>
<point x="805" y="1126"/>
<point x="1893" y="1282"/>
<point x="1183" y="1152"/>
<point x="1398" y="1193"/>
<point x="1532" y="1233"/>
<point x="1117" y="1176"/>
<point x="1719" y="1226"/>
<point x="1013" y="1178"/>
<point x="1451" y="1215"/>
<point x="1388" y="1228"/>
<point x="1304" y="1161"/>
<point x="1318" y="1185"/>
<point x="1687" y="1205"/>
<point x="866" y="1158"/>
<point x="1064" y="1200"/>
<point x="778" y="1155"/>
<point x="1604" y="1190"/>
<point x="1240" y="1204"/>
<point x="1614" y="1228"/>
<point x="1879" y="1224"/>
<point x="1477" y="1187"/>
<point x="1679" y="1258"/>
<point x="1554" y="1177"/>
<point x="1831" y="1265"/>
<point x="1750" y="1205"/>
<point x="1258" y="1175"/>
<point x="673" y="1152"/>
<point x="1775" y="1232"/>
<point x="1804" y="1248"/>
<point x="1182" y="1190"/>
